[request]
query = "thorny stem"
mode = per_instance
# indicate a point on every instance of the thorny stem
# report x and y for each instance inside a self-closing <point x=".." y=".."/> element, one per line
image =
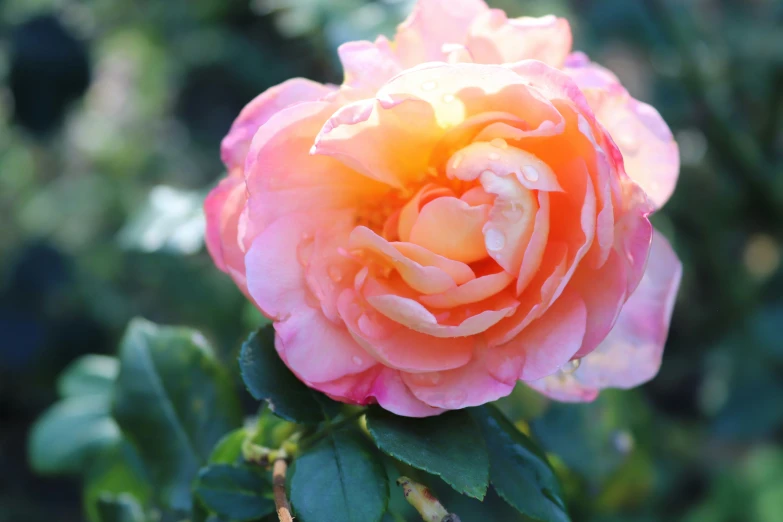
<point x="282" y="506"/>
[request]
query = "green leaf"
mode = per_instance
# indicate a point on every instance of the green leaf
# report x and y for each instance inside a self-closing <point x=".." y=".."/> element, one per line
<point x="115" y="470"/>
<point x="174" y="402"/>
<point x="267" y="378"/>
<point x="491" y="509"/>
<point x="449" y="445"/>
<point x="122" y="508"/>
<point x="89" y="375"/>
<point x="519" y="470"/>
<point x="235" y="492"/>
<point x="341" y="478"/>
<point x="229" y="449"/>
<point x="69" y="432"/>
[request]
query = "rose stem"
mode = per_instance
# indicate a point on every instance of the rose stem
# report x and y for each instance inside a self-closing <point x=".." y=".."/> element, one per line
<point x="278" y="484"/>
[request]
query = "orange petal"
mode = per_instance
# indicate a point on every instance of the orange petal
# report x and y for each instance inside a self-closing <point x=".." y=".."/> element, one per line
<point x="452" y="228"/>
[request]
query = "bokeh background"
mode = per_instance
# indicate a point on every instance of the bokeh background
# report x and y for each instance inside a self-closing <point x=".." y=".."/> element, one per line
<point x="111" y="113"/>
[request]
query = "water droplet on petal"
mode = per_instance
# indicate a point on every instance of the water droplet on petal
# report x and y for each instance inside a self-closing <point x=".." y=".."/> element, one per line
<point x="357" y="360"/>
<point x="494" y="156"/>
<point x="335" y="274"/>
<point x="429" y="86"/>
<point x="530" y="173"/>
<point x="494" y="240"/>
<point x="448" y="98"/>
<point x="458" y="157"/>
<point x="499" y="143"/>
<point x="434" y="377"/>
<point x="571" y="366"/>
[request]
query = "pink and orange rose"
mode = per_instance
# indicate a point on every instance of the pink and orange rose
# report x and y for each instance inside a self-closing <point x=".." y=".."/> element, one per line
<point x="468" y="210"/>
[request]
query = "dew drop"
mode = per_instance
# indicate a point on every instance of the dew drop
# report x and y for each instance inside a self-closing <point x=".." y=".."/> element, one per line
<point x="458" y="157"/>
<point x="571" y="366"/>
<point x="357" y="360"/>
<point x="434" y="377"/>
<point x="499" y="143"/>
<point x="530" y="173"/>
<point x="429" y="86"/>
<point x="448" y="98"/>
<point x="494" y="156"/>
<point x="335" y="274"/>
<point x="494" y="240"/>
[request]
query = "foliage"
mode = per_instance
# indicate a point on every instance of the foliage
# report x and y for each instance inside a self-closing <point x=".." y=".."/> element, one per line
<point x="177" y="452"/>
<point x="125" y="119"/>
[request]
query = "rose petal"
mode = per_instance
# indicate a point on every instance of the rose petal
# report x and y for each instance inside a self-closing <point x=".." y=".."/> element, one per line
<point x="493" y="38"/>
<point x="222" y="209"/>
<point x="464" y="387"/>
<point x="367" y="65"/>
<point x="473" y="291"/>
<point x="316" y="349"/>
<point x="415" y="316"/>
<point x="235" y="145"/>
<point x="631" y="353"/>
<point x="385" y="139"/>
<point x="410" y="212"/>
<point x="604" y="291"/>
<point x="544" y="346"/>
<point x="432" y="24"/>
<point x="397" y="346"/>
<point x="650" y="154"/>
<point x="428" y="273"/>
<point x="451" y="228"/>
<point x="283" y="178"/>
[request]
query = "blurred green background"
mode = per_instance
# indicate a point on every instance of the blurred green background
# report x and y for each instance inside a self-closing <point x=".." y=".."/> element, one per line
<point x="111" y="113"/>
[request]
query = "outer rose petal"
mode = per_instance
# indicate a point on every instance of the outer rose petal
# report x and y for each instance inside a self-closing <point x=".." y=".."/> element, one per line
<point x="223" y="207"/>
<point x="470" y="385"/>
<point x="235" y="145"/>
<point x="650" y="154"/>
<point x="433" y="24"/>
<point x="382" y="385"/>
<point x="316" y="349"/>
<point x="368" y="65"/>
<point x="493" y="38"/>
<point x="544" y="346"/>
<point x="283" y="178"/>
<point x="631" y="353"/>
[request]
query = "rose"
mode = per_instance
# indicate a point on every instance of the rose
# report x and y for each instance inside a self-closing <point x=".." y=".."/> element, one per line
<point x="469" y="209"/>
